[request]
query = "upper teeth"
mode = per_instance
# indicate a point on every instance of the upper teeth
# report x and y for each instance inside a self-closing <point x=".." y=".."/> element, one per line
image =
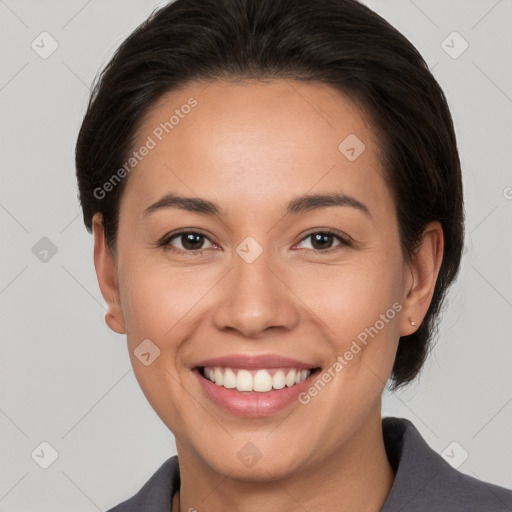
<point x="255" y="380"/>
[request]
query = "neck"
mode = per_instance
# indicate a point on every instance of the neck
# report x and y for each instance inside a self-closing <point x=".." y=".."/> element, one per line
<point x="356" y="477"/>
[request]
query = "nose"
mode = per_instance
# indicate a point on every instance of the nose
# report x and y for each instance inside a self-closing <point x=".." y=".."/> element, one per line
<point x="256" y="298"/>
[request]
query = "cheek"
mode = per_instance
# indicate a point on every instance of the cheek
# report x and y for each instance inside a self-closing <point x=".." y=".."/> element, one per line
<point x="157" y="300"/>
<point x="352" y="294"/>
<point x="358" y="304"/>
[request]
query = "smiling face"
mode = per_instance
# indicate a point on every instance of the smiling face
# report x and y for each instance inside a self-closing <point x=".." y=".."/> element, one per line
<point x="257" y="269"/>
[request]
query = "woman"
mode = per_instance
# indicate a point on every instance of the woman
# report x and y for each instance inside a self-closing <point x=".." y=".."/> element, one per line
<point x="276" y="199"/>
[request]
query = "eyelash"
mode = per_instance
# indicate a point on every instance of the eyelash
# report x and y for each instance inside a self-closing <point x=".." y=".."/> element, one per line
<point x="164" y="243"/>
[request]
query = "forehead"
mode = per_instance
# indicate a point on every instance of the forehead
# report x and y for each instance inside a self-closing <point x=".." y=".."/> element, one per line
<point x="258" y="139"/>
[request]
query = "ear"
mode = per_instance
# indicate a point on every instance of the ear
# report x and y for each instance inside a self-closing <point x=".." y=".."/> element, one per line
<point x="106" y="273"/>
<point x="422" y="276"/>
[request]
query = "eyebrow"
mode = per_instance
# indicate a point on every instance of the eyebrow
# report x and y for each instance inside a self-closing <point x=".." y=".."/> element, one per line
<point x="297" y="205"/>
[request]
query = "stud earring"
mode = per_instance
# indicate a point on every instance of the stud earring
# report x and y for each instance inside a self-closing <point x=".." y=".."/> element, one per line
<point x="412" y="322"/>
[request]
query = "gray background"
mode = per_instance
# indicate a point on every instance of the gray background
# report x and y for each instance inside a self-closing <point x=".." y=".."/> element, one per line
<point x="66" y="379"/>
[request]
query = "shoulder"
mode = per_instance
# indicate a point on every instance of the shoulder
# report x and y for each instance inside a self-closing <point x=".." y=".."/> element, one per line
<point x="156" y="493"/>
<point x="425" y="481"/>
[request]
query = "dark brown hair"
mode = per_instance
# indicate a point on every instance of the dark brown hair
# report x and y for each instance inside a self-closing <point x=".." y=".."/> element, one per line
<point x="339" y="42"/>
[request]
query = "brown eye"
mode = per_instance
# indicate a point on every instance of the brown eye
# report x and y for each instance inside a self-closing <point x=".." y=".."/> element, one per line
<point x="322" y="241"/>
<point x="186" y="242"/>
<point x="191" y="241"/>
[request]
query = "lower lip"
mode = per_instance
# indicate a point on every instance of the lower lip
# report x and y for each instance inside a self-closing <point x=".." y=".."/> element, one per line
<point x="252" y="404"/>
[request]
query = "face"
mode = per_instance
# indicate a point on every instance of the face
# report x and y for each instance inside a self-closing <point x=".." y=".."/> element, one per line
<point x="256" y="267"/>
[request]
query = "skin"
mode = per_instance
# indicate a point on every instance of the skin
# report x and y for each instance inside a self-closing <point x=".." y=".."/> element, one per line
<point x="251" y="147"/>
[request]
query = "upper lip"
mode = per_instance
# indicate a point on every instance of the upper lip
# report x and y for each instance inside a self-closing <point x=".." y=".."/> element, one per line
<point x="254" y="361"/>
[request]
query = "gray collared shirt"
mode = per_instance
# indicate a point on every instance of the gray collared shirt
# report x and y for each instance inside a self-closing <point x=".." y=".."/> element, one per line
<point x="424" y="481"/>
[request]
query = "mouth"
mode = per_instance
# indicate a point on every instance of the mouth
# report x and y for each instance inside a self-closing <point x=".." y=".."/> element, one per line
<point x="254" y="385"/>
<point x="259" y="380"/>
<point x="254" y="392"/>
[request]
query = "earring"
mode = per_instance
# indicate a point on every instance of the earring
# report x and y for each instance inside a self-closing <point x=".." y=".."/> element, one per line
<point x="412" y="322"/>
